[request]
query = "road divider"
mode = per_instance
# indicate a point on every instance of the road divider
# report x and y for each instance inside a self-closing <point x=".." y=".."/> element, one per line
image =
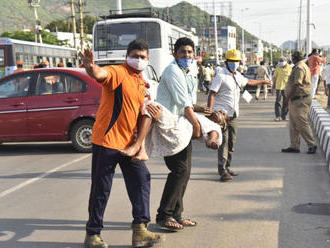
<point x="320" y="120"/>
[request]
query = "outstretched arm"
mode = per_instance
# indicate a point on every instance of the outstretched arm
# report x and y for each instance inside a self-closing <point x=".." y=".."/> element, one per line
<point x="92" y="69"/>
<point x="257" y="82"/>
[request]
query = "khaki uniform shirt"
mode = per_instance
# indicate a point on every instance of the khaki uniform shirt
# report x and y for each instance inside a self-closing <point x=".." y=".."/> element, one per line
<point x="262" y="73"/>
<point x="299" y="83"/>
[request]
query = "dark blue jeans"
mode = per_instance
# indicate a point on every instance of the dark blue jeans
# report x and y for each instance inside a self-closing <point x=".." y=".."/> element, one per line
<point x="137" y="181"/>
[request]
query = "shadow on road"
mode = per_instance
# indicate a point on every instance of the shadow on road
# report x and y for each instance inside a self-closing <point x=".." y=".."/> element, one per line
<point x="15" y="149"/>
<point x="12" y="231"/>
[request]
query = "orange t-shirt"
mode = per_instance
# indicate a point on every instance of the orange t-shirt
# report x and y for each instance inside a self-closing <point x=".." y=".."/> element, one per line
<point x="122" y="97"/>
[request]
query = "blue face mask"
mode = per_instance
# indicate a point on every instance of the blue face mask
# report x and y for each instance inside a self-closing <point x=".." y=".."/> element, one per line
<point x="233" y="66"/>
<point x="185" y="62"/>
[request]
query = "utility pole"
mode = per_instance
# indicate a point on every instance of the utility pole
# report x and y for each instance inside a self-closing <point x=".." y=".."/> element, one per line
<point x="119" y="9"/>
<point x="299" y="26"/>
<point x="308" y="31"/>
<point x="271" y="54"/>
<point x="37" y="28"/>
<point x="81" y="25"/>
<point x="215" y="34"/>
<point x="74" y="24"/>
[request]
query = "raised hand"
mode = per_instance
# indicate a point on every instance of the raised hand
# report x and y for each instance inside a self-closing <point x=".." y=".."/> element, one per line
<point x="87" y="57"/>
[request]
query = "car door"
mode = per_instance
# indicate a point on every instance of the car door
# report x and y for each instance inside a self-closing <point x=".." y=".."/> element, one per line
<point x="14" y="91"/>
<point x="53" y="106"/>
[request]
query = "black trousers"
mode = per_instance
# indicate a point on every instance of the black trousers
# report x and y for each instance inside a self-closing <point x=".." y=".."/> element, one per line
<point x="281" y="110"/>
<point x="137" y="181"/>
<point x="171" y="204"/>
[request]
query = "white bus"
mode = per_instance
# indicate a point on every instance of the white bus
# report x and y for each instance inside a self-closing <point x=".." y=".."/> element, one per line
<point x="31" y="53"/>
<point x="112" y="36"/>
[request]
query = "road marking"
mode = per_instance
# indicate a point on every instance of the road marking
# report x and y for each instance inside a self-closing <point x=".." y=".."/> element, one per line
<point x="32" y="180"/>
<point x="6" y="235"/>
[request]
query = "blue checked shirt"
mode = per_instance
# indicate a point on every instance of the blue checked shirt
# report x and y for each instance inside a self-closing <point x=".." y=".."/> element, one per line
<point x="177" y="89"/>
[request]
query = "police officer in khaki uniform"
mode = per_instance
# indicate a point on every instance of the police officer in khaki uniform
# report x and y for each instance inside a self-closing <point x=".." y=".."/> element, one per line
<point x="298" y="90"/>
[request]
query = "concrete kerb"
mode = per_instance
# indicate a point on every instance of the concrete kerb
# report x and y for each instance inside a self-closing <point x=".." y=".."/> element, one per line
<point x="320" y="120"/>
<point x="323" y="129"/>
<point x="318" y="116"/>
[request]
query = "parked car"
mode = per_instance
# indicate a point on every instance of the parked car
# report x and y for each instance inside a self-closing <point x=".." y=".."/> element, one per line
<point x="49" y="105"/>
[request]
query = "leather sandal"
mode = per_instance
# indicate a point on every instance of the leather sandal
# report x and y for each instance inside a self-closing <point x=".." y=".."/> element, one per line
<point x="165" y="224"/>
<point x="183" y="222"/>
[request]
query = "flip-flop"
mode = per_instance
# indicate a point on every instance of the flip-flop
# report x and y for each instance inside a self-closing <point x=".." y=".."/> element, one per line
<point x="183" y="220"/>
<point x="164" y="224"/>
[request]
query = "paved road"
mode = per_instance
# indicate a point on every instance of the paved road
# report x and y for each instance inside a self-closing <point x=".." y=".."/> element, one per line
<point x="44" y="191"/>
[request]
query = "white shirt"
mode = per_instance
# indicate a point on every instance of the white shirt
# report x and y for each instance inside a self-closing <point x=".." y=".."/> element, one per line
<point x="326" y="74"/>
<point x="227" y="91"/>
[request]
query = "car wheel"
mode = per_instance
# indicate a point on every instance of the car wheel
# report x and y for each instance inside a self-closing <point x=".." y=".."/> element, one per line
<point x="81" y="135"/>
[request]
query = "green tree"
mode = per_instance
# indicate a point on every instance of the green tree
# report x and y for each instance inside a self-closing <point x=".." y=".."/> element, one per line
<point x="66" y="25"/>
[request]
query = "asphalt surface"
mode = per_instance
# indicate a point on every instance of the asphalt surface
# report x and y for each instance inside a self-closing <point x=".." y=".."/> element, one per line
<point x="44" y="191"/>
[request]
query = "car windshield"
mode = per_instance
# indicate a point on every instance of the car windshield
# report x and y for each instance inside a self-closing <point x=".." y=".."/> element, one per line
<point x="117" y="36"/>
<point x="251" y="70"/>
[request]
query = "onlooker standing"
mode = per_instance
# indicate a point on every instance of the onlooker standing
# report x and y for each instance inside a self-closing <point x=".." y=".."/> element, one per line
<point x="208" y="74"/>
<point x="224" y="96"/>
<point x="326" y="78"/>
<point x="314" y="63"/>
<point x="200" y="76"/>
<point x="123" y="92"/>
<point x="281" y="77"/>
<point x="298" y="91"/>
<point x="262" y="74"/>
<point x="19" y="66"/>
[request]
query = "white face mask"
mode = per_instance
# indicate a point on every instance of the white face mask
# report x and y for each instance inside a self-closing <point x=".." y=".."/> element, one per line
<point x="137" y="64"/>
<point x="283" y="63"/>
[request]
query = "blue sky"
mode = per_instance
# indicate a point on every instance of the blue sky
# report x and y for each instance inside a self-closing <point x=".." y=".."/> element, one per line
<point x="273" y="20"/>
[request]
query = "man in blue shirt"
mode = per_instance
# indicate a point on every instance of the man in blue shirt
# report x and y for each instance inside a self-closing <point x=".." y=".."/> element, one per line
<point x="177" y="92"/>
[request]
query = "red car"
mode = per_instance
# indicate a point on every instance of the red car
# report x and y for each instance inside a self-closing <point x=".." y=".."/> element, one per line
<point x="49" y="105"/>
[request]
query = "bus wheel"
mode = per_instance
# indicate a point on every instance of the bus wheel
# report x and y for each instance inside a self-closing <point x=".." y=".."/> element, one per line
<point x="81" y="135"/>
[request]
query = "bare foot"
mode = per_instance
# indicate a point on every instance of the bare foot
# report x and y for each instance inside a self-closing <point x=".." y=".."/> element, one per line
<point x="213" y="144"/>
<point x="130" y="151"/>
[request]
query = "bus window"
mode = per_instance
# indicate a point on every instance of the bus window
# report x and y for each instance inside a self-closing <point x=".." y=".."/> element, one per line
<point x="116" y="36"/>
<point x="2" y="57"/>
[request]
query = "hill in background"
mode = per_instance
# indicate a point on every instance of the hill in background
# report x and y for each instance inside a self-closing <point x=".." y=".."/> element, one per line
<point x="16" y="15"/>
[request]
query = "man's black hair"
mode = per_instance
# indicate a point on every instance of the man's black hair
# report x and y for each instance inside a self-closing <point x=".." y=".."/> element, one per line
<point x="184" y="41"/>
<point x="262" y="62"/>
<point x="138" y="44"/>
<point x="314" y="50"/>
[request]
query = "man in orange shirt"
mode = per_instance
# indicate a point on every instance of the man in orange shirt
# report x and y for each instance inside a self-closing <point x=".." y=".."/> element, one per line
<point x="19" y="66"/>
<point x="314" y="62"/>
<point x="123" y="94"/>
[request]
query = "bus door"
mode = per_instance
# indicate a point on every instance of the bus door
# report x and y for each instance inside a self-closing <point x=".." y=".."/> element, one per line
<point x="3" y="52"/>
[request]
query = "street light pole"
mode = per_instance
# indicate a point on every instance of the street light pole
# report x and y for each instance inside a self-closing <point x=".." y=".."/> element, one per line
<point x="243" y="41"/>
<point x="299" y="26"/>
<point x="308" y="31"/>
<point x="215" y="34"/>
